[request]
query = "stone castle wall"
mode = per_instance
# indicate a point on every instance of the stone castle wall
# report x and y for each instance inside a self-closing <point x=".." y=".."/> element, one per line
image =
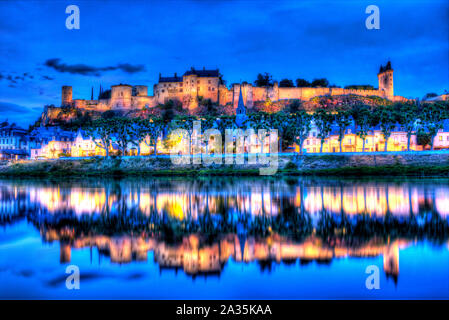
<point x="252" y="94"/>
<point x="190" y="87"/>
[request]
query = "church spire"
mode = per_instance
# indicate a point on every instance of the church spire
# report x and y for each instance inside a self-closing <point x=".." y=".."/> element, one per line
<point x="240" y="113"/>
<point x="241" y="106"/>
<point x="92" y="94"/>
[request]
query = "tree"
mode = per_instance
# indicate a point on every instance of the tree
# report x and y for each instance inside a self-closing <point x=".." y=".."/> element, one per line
<point x="168" y="113"/>
<point x="387" y="120"/>
<point x="432" y="115"/>
<point x="430" y="95"/>
<point x="226" y="122"/>
<point x="343" y="120"/>
<point x="323" y="121"/>
<point x="295" y="106"/>
<point x="360" y="87"/>
<point x="301" y="83"/>
<point x="286" y="83"/>
<point x="280" y="121"/>
<point x="322" y="82"/>
<point x="422" y="138"/>
<point x="362" y="119"/>
<point x="407" y="116"/>
<point x="100" y="131"/>
<point x="138" y="132"/>
<point x="264" y="80"/>
<point x="208" y="122"/>
<point x="122" y="128"/>
<point x="186" y="123"/>
<point x="301" y="124"/>
<point x="153" y="129"/>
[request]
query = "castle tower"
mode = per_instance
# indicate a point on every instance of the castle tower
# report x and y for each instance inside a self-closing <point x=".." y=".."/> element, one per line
<point x="121" y="96"/>
<point x="385" y="77"/>
<point x="66" y="96"/>
<point x="140" y="91"/>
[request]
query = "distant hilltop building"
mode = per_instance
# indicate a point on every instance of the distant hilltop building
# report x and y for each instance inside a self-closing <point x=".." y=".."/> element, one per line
<point x="208" y="84"/>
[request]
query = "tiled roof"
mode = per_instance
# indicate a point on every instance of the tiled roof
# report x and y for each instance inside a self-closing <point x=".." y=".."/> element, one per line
<point x="203" y="73"/>
<point x="170" y="79"/>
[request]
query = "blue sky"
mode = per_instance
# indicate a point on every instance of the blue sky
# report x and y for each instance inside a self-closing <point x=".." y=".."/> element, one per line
<point x="132" y="41"/>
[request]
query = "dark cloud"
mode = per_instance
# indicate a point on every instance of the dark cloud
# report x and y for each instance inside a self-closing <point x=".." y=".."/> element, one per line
<point x="14" y="79"/>
<point x="47" y="78"/>
<point x="87" y="70"/>
<point x="6" y="107"/>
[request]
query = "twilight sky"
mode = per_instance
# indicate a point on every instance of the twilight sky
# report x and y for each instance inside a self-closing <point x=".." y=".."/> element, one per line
<point x="132" y="41"/>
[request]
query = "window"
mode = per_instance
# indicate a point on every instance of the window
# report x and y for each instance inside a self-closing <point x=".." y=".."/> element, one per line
<point x="209" y="82"/>
<point x="198" y="82"/>
<point x="441" y="138"/>
<point x="208" y="88"/>
<point x="213" y="89"/>
<point x="180" y="90"/>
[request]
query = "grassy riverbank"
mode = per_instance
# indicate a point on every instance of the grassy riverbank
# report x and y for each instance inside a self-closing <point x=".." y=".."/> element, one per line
<point x="406" y="164"/>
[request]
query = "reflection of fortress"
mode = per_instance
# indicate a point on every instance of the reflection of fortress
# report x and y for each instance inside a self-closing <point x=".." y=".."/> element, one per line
<point x="208" y="84"/>
<point x="195" y="258"/>
<point x="182" y="199"/>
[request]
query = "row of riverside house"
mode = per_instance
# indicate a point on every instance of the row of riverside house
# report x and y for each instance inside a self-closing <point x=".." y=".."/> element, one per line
<point x="53" y="142"/>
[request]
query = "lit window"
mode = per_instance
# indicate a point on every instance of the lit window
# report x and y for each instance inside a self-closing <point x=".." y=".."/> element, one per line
<point x="441" y="138"/>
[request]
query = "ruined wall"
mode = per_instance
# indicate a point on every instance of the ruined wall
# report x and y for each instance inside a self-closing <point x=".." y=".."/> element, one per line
<point x="225" y="95"/>
<point x="252" y="94"/>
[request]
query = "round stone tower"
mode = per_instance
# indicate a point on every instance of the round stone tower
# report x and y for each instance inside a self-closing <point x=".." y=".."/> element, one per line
<point x="121" y="96"/>
<point x="385" y="77"/>
<point x="66" y="96"/>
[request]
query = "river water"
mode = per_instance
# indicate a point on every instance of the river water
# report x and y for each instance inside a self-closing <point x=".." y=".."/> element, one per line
<point x="225" y="238"/>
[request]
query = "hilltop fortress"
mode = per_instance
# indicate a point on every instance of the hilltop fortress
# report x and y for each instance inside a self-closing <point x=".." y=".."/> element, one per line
<point x="193" y="84"/>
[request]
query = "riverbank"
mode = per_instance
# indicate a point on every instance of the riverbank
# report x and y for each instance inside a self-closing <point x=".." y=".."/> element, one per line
<point x="426" y="163"/>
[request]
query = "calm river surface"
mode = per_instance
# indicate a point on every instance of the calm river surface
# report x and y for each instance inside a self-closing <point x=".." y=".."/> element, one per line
<point x="225" y="238"/>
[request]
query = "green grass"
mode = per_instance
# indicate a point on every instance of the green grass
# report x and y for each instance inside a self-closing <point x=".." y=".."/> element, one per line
<point x="122" y="168"/>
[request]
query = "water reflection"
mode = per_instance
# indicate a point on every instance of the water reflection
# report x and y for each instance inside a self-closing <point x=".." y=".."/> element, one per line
<point x="198" y="225"/>
<point x="184" y="198"/>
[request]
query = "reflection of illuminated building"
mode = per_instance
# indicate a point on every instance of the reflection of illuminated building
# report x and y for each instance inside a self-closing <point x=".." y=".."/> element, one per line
<point x="185" y="199"/>
<point x="391" y="261"/>
<point x="195" y="257"/>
